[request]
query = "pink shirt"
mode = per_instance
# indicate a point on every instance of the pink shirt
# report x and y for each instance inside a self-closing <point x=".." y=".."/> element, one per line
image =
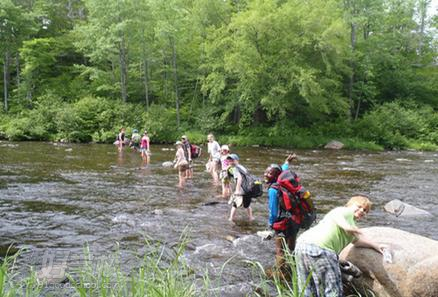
<point x="144" y="142"/>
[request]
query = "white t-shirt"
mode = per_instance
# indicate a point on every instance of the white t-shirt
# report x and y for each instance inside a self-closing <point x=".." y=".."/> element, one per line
<point x="214" y="150"/>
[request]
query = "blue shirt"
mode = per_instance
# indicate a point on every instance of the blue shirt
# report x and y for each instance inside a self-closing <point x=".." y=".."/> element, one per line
<point x="273" y="200"/>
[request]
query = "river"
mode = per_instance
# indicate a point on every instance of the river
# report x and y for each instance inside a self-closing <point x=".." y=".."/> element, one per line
<point x="55" y="198"/>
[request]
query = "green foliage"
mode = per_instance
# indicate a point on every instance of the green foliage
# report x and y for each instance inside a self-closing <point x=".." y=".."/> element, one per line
<point x="160" y="123"/>
<point x="262" y="72"/>
<point x="395" y="126"/>
<point x="13" y="284"/>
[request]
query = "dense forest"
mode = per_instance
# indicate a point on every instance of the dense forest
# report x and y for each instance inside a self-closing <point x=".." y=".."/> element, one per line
<point x="269" y="72"/>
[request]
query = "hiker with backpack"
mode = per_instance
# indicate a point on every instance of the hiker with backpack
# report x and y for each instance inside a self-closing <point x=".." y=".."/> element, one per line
<point x="285" y="215"/>
<point x="134" y="143"/>
<point x="317" y="249"/>
<point x="187" y="147"/>
<point x="238" y="198"/>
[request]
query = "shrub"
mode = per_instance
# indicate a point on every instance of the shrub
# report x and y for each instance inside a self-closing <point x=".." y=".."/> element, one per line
<point x="161" y="124"/>
<point x="392" y="125"/>
<point x="29" y="126"/>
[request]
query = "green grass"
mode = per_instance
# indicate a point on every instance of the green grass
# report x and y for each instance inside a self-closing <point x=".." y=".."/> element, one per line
<point x="158" y="274"/>
<point x="12" y="284"/>
<point x="422" y="146"/>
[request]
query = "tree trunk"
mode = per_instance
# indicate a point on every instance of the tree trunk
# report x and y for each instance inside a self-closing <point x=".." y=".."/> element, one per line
<point x="146" y="82"/>
<point x="123" y="69"/>
<point x="423" y="14"/>
<point x="356" y="116"/>
<point x="175" y="76"/>
<point x="236" y="114"/>
<point x="146" y="72"/>
<point x="17" y="68"/>
<point x="164" y="74"/>
<point x="6" y="80"/>
<point x="352" y="65"/>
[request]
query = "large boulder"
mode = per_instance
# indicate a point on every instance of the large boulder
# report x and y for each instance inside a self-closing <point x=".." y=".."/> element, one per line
<point x="400" y="208"/>
<point x="334" y="145"/>
<point x="413" y="271"/>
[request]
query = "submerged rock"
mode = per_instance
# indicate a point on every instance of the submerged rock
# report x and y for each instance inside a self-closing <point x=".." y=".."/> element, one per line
<point x="158" y="212"/>
<point x="413" y="271"/>
<point x="53" y="273"/>
<point x="8" y="249"/>
<point x="334" y="145"/>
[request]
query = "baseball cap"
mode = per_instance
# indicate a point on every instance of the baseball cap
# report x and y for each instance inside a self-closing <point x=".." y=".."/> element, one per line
<point x="233" y="157"/>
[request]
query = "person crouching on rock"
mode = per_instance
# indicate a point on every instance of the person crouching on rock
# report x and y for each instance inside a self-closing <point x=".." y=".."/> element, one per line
<point x="283" y="239"/>
<point x="318" y="248"/>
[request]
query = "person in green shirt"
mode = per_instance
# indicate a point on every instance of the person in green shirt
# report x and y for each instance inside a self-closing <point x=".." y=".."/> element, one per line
<point x="318" y="248"/>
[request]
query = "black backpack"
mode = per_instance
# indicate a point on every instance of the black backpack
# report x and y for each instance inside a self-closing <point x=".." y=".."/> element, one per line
<point x="252" y="186"/>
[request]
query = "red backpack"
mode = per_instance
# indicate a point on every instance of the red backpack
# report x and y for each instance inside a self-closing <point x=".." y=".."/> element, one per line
<point x="195" y="151"/>
<point x="295" y="202"/>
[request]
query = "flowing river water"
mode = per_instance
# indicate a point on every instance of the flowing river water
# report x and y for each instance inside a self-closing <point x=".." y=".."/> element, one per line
<point x="56" y="198"/>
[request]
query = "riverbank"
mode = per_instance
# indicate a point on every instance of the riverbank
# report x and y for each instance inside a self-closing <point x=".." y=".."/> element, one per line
<point x="391" y="126"/>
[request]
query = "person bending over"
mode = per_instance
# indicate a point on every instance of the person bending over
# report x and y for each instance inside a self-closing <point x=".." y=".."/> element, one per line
<point x="318" y="248"/>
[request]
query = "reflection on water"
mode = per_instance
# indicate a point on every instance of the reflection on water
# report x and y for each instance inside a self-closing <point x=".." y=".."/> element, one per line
<point x="59" y="197"/>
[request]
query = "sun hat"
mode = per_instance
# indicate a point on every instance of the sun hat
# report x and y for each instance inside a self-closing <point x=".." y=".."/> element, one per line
<point x="225" y="148"/>
<point x="135" y="131"/>
<point x="178" y="143"/>
<point x="184" y="137"/>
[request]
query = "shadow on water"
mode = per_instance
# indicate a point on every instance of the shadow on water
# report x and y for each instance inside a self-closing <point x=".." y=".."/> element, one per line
<point x="60" y="197"/>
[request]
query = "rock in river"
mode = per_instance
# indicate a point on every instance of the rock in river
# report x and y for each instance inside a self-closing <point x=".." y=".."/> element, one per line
<point x="413" y="271"/>
<point x="334" y="145"/>
<point x="400" y="208"/>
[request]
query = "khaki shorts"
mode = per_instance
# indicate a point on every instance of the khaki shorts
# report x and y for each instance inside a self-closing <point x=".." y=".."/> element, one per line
<point x="183" y="168"/>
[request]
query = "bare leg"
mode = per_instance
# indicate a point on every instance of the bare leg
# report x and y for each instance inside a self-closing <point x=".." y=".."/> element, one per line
<point x="182" y="179"/>
<point x="232" y="214"/>
<point x="250" y="216"/>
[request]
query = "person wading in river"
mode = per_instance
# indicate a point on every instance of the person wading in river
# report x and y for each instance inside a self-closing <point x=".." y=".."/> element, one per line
<point x="187" y="147"/>
<point x="144" y="147"/>
<point x="238" y="199"/>
<point x="181" y="164"/>
<point x="224" y="176"/>
<point x="214" y="159"/>
<point x="120" y="141"/>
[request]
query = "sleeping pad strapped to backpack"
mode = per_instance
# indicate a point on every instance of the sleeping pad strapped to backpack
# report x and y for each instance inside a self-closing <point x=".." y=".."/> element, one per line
<point x="252" y="186"/>
<point x="295" y="202"/>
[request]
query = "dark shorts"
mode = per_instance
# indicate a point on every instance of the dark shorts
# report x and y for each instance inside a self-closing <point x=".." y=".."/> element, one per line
<point x="246" y="202"/>
<point x="291" y="230"/>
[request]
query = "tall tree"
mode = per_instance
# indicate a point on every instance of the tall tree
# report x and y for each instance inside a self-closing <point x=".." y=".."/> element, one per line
<point x="104" y="37"/>
<point x="15" y="25"/>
